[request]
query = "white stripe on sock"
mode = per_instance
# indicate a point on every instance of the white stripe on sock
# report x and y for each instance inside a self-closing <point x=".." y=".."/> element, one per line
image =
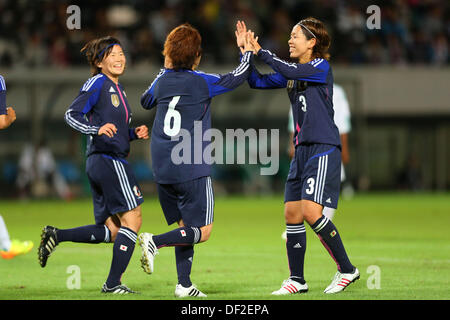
<point x="129" y="234"/>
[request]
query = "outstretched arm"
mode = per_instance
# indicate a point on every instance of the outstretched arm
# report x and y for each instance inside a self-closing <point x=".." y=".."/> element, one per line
<point x="314" y="71"/>
<point x="7" y="115"/>
<point x="219" y="84"/>
<point x="7" y="119"/>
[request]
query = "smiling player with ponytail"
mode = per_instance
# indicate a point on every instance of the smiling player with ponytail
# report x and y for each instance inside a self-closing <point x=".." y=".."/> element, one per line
<point x="314" y="175"/>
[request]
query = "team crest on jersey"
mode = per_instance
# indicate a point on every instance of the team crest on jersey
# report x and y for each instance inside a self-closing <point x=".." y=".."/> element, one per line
<point x="115" y="100"/>
<point x="137" y="192"/>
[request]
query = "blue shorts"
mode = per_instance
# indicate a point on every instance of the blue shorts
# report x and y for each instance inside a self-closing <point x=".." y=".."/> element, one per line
<point x="113" y="185"/>
<point x="315" y="174"/>
<point x="192" y="201"/>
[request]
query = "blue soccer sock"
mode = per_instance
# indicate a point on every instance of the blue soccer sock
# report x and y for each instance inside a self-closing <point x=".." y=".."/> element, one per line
<point x="296" y="247"/>
<point x="183" y="257"/>
<point x="122" y="251"/>
<point x="178" y="237"/>
<point x="331" y="240"/>
<point x="86" y="234"/>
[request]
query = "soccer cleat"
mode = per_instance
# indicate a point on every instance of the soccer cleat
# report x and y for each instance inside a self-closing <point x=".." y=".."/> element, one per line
<point x="48" y="244"/>
<point x="290" y="286"/>
<point x="342" y="281"/>
<point x="149" y="251"/>
<point x="7" y="254"/>
<point x="119" y="289"/>
<point x="17" y="248"/>
<point x="192" y="291"/>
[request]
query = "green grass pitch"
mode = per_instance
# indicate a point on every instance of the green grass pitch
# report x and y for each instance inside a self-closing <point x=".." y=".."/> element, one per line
<point x="400" y="242"/>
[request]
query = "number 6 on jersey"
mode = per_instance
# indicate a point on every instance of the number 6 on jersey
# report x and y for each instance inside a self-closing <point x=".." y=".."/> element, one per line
<point x="172" y="113"/>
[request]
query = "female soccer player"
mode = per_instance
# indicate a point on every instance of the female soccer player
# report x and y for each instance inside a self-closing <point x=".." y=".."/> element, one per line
<point x="102" y="112"/>
<point x="9" y="249"/>
<point x="314" y="175"/>
<point x="182" y="97"/>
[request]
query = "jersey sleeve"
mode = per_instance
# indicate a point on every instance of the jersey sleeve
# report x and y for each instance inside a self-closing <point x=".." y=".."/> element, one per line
<point x="148" y="100"/>
<point x="313" y="71"/>
<point x="2" y="96"/>
<point x="132" y="134"/>
<point x="77" y="114"/>
<point x="257" y="80"/>
<point x="218" y="84"/>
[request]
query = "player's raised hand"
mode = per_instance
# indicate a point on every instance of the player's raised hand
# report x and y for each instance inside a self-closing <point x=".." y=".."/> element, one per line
<point x="108" y="129"/>
<point x="253" y="41"/>
<point x="142" y="132"/>
<point x="241" y="31"/>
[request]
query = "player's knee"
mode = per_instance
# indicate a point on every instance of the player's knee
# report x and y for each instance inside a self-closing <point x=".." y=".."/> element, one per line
<point x="292" y="215"/>
<point x="132" y="219"/>
<point x="206" y="232"/>
<point x="113" y="225"/>
<point x="312" y="211"/>
<point x="113" y="234"/>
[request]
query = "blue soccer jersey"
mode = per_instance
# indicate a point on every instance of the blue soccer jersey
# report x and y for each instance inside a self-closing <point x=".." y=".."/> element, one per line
<point x="2" y="96"/>
<point x="102" y="101"/>
<point x="310" y="90"/>
<point x="183" y="97"/>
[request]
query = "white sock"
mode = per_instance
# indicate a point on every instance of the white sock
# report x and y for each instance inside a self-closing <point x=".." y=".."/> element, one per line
<point x="328" y="212"/>
<point x="5" y="242"/>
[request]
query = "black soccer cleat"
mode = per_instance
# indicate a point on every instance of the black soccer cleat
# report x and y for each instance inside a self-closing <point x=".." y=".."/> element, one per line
<point x="119" y="289"/>
<point x="48" y="244"/>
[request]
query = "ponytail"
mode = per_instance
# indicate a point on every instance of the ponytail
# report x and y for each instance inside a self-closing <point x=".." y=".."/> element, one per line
<point x="313" y="28"/>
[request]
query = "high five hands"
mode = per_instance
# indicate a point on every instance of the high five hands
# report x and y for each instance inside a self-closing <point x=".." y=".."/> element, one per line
<point x="245" y="39"/>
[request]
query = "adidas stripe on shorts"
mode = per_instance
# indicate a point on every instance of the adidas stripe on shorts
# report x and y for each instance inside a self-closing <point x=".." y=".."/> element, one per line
<point x="192" y="201"/>
<point x="315" y="174"/>
<point x="113" y="185"/>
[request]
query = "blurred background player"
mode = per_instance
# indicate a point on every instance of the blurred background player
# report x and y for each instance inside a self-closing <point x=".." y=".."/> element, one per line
<point x="343" y="122"/>
<point x="102" y="112"/>
<point x="314" y="175"/>
<point x="38" y="173"/>
<point x="182" y="97"/>
<point x="9" y="248"/>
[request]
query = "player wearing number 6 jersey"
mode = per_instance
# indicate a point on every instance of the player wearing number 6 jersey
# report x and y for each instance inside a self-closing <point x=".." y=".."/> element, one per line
<point x="314" y="176"/>
<point x="182" y="97"/>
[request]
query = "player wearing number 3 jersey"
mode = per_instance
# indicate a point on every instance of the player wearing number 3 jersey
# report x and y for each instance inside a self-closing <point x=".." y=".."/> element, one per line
<point x="182" y="97"/>
<point x="314" y="176"/>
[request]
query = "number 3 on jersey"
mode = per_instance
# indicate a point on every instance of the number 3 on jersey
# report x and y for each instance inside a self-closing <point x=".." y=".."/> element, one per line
<point x="172" y="114"/>
<point x="310" y="183"/>
<point x="302" y="100"/>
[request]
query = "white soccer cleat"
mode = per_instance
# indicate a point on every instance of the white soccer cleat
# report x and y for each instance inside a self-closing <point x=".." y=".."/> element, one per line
<point x="149" y="251"/>
<point x="290" y="286"/>
<point x="342" y="281"/>
<point x="192" y="291"/>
